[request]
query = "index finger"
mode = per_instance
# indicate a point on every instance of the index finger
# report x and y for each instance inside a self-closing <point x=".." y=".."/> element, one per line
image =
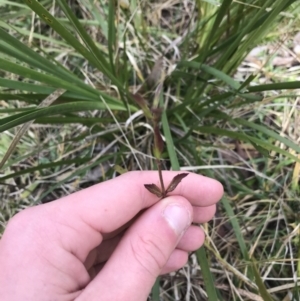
<point x="78" y="221"/>
<point x="109" y="205"/>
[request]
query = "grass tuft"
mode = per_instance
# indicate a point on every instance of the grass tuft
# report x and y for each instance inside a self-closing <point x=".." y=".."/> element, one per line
<point x="226" y="74"/>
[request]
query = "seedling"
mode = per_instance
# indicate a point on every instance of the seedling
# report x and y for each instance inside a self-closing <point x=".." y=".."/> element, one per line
<point x="154" y="115"/>
<point x="162" y="193"/>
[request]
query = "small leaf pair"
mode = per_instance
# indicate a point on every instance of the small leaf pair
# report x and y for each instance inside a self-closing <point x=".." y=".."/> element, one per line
<point x="157" y="191"/>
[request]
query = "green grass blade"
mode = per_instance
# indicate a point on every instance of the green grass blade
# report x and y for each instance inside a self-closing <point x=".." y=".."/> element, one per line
<point x="83" y="34"/>
<point x="270" y="133"/>
<point x="222" y="76"/>
<point x="91" y="5"/>
<point x="20" y="51"/>
<point x="45" y="103"/>
<point x="23" y="86"/>
<point x="41" y="89"/>
<point x="82" y="89"/>
<point x="63" y="32"/>
<point x="79" y="171"/>
<point x="58" y="27"/>
<point x="48" y="79"/>
<point x="236" y="228"/>
<point x="88" y="121"/>
<point x="45" y="166"/>
<point x="169" y="142"/>
<point x="241" y="136"/>
<point x="207" y="275"/>
<point x="23" y="31"/>
<point x="67" y="97"/>
<point x="90" y="44"/>
<point x="231" y="51"/>
<point x="221" y="13"/>
<point x="156" y="290"/>
<point x="277" y="7"/>
<point x="202" y="259"/>
<point x="254" y="273"/>
<point x="212" y="71"/>
<point x="111" y="33"/>
<point x="53" y="110"/>
<point x="260" y="284"/>
<point x="276" y="86"/>
<point x="7" y="2"/>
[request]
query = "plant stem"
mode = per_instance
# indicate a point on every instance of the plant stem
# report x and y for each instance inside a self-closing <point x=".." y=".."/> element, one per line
<point x="158" y="162"/>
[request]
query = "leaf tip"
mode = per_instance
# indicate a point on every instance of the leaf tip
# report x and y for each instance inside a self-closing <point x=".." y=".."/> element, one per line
<point x="175" y="181"/>
<point x="153" y="189"/>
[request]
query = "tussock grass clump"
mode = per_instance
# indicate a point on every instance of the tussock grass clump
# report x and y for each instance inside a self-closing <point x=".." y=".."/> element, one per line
<point x="74" y="76"/>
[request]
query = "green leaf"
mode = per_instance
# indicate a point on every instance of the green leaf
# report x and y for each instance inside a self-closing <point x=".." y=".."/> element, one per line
<point x="61" y="30"/>
<point x="79" y="171"/>
<point x="48" y="79"/>
<point x="79" y="106"/>
<point x="47" y="166"/>
<point x="207" y="275"/>
<point x="221" y="14"/>
<point x="241" y="136"/>
<point x="212" y="71"/>
<point x="260" y="284"/>
<point x="277" y="86"/>
<point x="236" y="228"/>
<point x="101" y="62"/>
<point x="45" y="103"/>
<point x="270" y="133"/>
<point x="201" y="255"/>
<point x="13" y="47"/>
<point x="169" y="142"/>
<point x="112" y="42"/>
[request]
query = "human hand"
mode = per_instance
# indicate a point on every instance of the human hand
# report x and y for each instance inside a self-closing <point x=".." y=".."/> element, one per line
<point x="107" y="242"/>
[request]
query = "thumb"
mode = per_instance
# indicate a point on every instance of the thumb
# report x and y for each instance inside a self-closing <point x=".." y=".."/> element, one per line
<point x="142" y="253"/>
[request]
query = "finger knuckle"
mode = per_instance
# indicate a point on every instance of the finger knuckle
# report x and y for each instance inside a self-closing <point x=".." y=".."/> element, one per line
<point x="148" y="252"/>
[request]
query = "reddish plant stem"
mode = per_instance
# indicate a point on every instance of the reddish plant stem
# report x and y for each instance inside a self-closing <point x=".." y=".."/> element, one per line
<point x="158" y="162"/>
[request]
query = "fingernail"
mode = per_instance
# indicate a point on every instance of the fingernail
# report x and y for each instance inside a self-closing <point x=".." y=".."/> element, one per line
<point x="178" y="218"/>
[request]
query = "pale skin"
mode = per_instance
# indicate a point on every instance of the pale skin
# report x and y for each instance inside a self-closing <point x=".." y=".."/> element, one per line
<point x="106" y="242"/>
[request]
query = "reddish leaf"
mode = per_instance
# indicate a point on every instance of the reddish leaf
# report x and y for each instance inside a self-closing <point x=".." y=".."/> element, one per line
<point x="153" y="189"/>
<point x="176" y="180"/>
<point x="138" y="98"/>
